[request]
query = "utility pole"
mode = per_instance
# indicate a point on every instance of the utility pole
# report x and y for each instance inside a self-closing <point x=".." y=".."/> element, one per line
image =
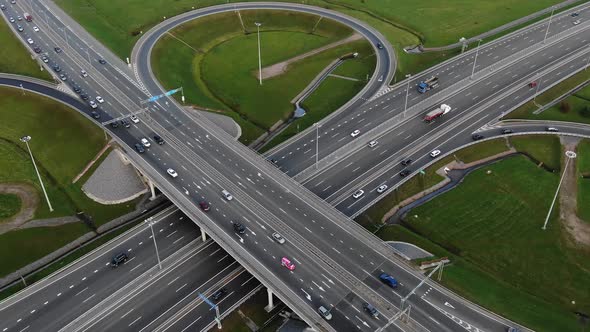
<point x="317" y="143"/>
<point x="26" y="139"/>
<point x="259" y="57"/>
<point x="475" y="60"/>
<point x="154" y="238"/>
<point x="549" y="24"/>
<point x="408" y="76"/>
<point x="570" y="155"/>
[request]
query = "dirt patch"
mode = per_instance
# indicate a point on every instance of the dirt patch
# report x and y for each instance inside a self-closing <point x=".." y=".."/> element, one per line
<point x="568" y="198"/>
<point x="281" y="67"/>
<point x="29" y="202"/>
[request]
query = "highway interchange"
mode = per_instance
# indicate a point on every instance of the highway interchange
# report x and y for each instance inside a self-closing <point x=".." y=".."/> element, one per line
<point x="305" y="244"/>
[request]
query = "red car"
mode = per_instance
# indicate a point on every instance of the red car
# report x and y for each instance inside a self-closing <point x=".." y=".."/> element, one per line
<point x="287" y="263"/>
<point x="204" y="206"/>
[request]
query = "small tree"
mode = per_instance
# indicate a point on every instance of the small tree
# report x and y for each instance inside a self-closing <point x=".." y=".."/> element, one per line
<point x="564" y="107"/>
<point x="585" y="111"/>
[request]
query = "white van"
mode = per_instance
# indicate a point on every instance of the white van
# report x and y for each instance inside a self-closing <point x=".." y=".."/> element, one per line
<point x="227" y="195"/>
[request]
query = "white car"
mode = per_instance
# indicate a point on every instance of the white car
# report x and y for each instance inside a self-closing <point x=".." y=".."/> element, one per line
<point x="576" y="22"/>
<point x="30" y="40"/>
<point x="134" y="119"/>
<point x="171" y="172"/>
<point x="380" y="79"/>
<point x="83" y="73"/>
<point x="93" y="104"/>
<point x="382" y="188"/>
<point x="355" y="133"/>
<point x="145" y="142"/>
<point x="35" y="29"/>
<point x="325" y="313"/>
<point x="99" y="99"/>
<point x="372" y="144"/>
<point x="358" y="194"/>
<point x="227" y="195"/>
<point x="278" y="237"/>
<point x="11" y="19"/>
<point x="434" y="153"/>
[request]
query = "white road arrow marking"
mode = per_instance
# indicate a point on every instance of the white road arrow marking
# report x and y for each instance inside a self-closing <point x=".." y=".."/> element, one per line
<point x="449" y="305"/>
<point x="307" y="296"/>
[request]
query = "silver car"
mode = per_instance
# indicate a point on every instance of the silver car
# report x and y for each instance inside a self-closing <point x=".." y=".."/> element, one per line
<point x="278" y="238"/>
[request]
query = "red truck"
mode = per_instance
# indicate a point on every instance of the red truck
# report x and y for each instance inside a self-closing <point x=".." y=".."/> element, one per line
<point x="28" y="17"/>
<point x="442" y="110"/>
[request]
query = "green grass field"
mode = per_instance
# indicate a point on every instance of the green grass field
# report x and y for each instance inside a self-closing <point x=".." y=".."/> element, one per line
<point x="583" y="160"/>
<point x="10" y="205"/>
<point x="543" y="148"/>
<point x="493" y="221"/>
<point x="14" y="58"/>
<point x="482" y="150"/>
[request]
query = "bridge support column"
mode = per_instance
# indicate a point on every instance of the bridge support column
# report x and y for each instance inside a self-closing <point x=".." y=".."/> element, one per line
<point x="152" y="189"/>
<point x="270" y="305"/>
<point x="203" y="235"/>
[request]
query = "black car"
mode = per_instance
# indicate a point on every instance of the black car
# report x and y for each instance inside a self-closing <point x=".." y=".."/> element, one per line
<point x="56" y="68"/>
<point x="118" y="259"/>
<point x="204" y="206"/>
<point x="476" y="137"/>
<point x="406" y="162"/>
<point x="125" y="123"/>
<point x="37" y="49"/>
<point x="506" y="131"/>
<point x="370" y="309"/>
<point x="114" y="124"/>
<point x="57" y="50"/>
<point x="405" y="173"/>
<point x="139" y="147"/>
<point x="239" y="228"/>
<point x="575" y="14"/>
<point x="380" y="46"/>
<point x="95" y="115"/>
<point x="76" y="89"/>
<point x="102" y="61"/>
<point x="2" y="7"/>
<point x="158" y="139"/>
<point x="219" y="294"/>
<point x="84" y="96"/>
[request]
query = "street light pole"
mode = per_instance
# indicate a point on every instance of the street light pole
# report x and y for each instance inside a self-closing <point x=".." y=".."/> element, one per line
<point x="259" y="57"/>
<point x="317" y="143"/>
<point x="26" y="139"/>
<point x="155" y="244"/>
<point x="538" y="80"/>
<point x="570" y="155"/>
<point x="475" y="60"/>
<point x="408" y="76"/>
<point x="587" y="61"/>
<point x="548" y="25"/>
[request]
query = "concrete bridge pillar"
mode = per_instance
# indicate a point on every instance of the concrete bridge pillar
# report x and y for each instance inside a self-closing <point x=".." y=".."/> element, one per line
<point x="203" y="235"/>
<point x="152" y="189"/>
<point x="270" y="305"/>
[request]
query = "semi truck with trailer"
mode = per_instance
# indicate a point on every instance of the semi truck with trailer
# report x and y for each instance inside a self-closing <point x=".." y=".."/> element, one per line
<point x="436" y="113"/>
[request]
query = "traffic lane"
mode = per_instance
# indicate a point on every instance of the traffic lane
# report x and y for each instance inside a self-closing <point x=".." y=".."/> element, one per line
<point x="168" y="292"/>
<point x="461" y="137"/>
<point x="199" y="315"/>
<point x="54" y="307"/>
<point x="289" y="157"/>
<point x="365" y="160"/>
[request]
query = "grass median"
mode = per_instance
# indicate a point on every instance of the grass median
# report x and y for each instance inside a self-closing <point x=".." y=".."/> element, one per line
<point x="583" y="160"/>
<point x="10" y="205"/>
<point x="15" y="58"/>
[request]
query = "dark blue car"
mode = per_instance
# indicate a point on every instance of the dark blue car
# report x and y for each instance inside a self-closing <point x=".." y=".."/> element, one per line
<point x="389" y="280"/>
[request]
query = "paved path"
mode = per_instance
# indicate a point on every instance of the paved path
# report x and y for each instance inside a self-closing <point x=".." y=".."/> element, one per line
<point x="411" y="251"/>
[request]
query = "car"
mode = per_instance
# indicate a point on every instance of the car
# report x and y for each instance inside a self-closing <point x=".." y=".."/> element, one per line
<point x="239" y="228"/>
<point x="575" y="14"/>
<point x="11" y="19"/>
<point x="125" y="123"/>
<point x="406" y="162"/>
<point x="134" y="118"/>
<point x="92" y="104"/>
<point x="145" y="142"/>
<point x="171" y="172"/>
<point x="476" y="137"/>
<point x="139" y="148"/>
<point x="83" y="73"/>
<point x="286" y="262"/>
<point x="218" y="295"/>
<point x="13" y="1"/>
<point x="381" y="188"/>
<point x="372" y="144"/>
<point x="325" y="313"/>
<point x="19" y="28"/>
<point x="380" y="79"/>
<point x="2" y="7"/>
<point x="380" y="46"/>
<point x="84" y="96"/>
<point x="278" y="238"/>
<point x="35" y="28"/>
<point x="355" y="133"/>
<point x="204" y="206"/>
<point x="45" y="59"/>
<point x="576" y="22"/>
<point x="226" y="195"/>
<point x="102" y="61"/>
<point x="19" y="18"/>
<point x="114" y="124"/>
<point x="158" y="139"/>
<point x="371" y="310"/>
<point x="506" y="131"/>
<point x="274" y="161"/>
<point x="358" y="194"/>
<point x="56" y="68"/>
<point x="63" y="77"/>
<point x="388" y="280"/>
<point x="434" y="153"/>
<point x="405" y="173"/>
<point x="37" y="49"/>
<point x="513" y="329"/>
<point x="99" y="99"/>
<point x="95" y="115"/>
<point x="118" y="259"/>
<point x="77" y="89"/>
<point x="552" y="129"/>
<point x="57" y="49"/>
<point x="30" y="41"/>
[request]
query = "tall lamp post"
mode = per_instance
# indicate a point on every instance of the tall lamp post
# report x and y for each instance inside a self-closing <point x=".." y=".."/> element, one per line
<point x="317" y="143"/>
<point x="154" y="238"/>
<point x="548" y="25"/>
<point x="26" y="139"/>
<point x="570" y="155"/>
<point x="259" y="58"/>
<point x="475" y="60"/>
<point x="408" y="76"/>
